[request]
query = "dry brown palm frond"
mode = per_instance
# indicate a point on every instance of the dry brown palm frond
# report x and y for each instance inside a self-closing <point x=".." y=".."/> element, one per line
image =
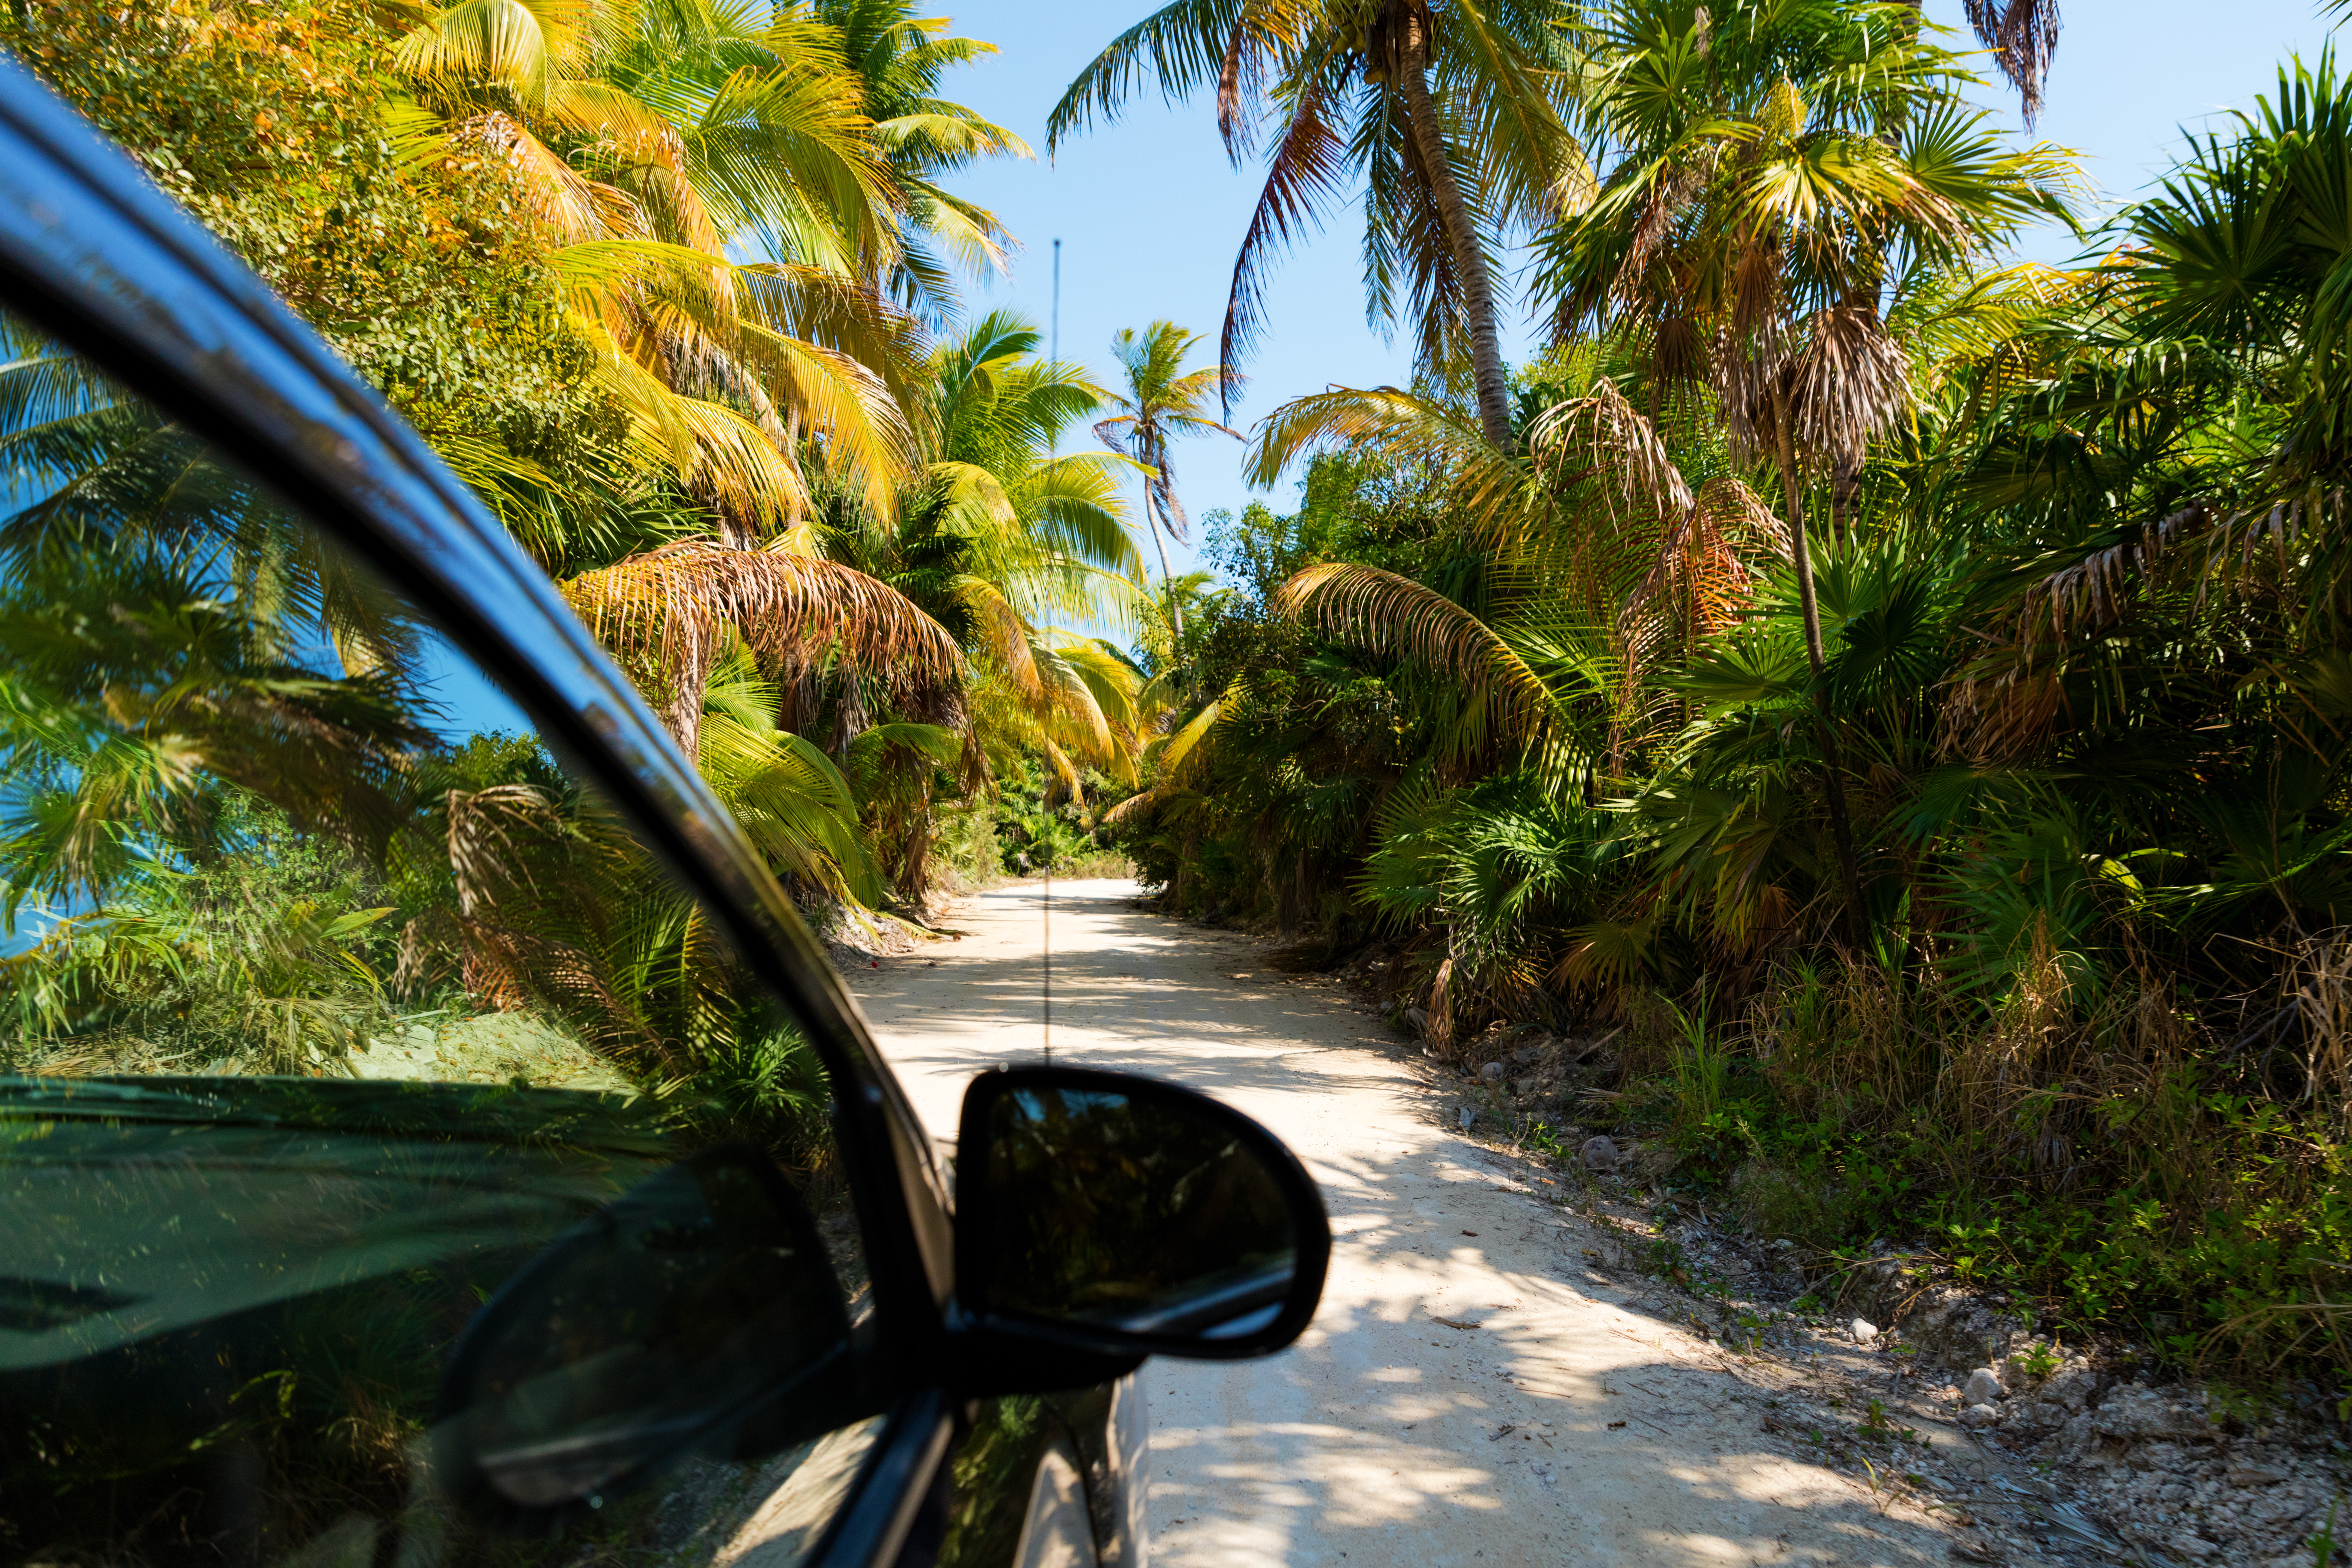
<point x="2091" y="594"/>
<point x="1740" y="517"/>
<point x="1382" y="611"/>
<point x="1749" y="375"/>
<point x="1850" y="381"/>
<point x="2005" y="706"/>
<point x="1441" y="1010"/>
<point x="1240" y="87"/>
<point x="2023" y="36"/>
<point x="1678" y="353"/>
<point x="1670" y="193"/>
<point x="2012" y="698"/>
<point x="1670" y="564"/>
<point x="1756" y="292"/>
<point x="575" y="208"/>
<point x="1701" y="583"/>
<point x="1619" y="444"/>
<point x="1601" y="441"/>
<point x="666" y="616"/>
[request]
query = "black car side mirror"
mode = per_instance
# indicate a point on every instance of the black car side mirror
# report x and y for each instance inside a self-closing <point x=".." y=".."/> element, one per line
<point x="1117" y="1216"/>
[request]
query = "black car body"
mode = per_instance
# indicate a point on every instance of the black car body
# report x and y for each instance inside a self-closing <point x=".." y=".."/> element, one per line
<point x="333" y="1314"/>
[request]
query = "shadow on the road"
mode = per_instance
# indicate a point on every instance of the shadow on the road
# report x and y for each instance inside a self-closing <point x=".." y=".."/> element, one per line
<point x="1460" y="1388"/>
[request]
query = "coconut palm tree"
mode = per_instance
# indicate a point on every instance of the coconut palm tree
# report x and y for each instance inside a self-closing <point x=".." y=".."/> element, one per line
<point x="1600" y="556"/>
<point x="1000" y="540"/>
<point x="673" y="615"/>
<point x="924" y="136"/>
<point x="1163" y="400"/>
<point x="1447" y="114"/>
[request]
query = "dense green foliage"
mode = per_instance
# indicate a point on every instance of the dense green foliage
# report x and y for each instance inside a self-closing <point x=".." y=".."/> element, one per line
<point x="421" y="264"/>
<point x="1541" y="724"/>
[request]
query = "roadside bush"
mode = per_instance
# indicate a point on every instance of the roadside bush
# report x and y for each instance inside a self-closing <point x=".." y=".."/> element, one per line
<point x="1777" y="1202"/>
<point x="281" y="129"/>
<point x="2124" y="1168"/>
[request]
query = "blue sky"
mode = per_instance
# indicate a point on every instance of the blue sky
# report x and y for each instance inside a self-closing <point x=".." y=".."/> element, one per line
<point x="1149" y="212"/>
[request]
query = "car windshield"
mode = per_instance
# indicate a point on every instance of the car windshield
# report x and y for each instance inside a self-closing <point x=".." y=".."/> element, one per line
<point x="338" y="1022"/>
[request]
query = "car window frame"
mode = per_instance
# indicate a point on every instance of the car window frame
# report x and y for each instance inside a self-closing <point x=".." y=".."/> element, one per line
<point x="96" y="257"/>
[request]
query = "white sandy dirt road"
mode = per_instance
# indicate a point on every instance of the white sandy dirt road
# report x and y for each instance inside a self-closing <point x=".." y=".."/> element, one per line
<point x="1471" y="1391"/>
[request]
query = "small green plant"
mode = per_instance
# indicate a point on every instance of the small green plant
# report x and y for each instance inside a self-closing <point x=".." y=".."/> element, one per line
<point x="1774" y="1201"/>
<point x="2037" y="1362"/>
<point x="2323" y="1541"/>
<point x="1540" y="1140"/>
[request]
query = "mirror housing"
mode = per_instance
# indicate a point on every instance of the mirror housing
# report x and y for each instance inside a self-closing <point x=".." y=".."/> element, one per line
<point x="1115" y="1216"/>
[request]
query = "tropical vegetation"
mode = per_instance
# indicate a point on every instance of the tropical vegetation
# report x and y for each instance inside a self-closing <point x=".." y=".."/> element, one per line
<point x="1894" y="694"/>
<point x="675" y="288"/>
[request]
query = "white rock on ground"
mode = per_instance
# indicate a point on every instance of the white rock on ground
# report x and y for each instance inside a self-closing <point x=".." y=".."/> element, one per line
<point x="1376" y="1441"/>
<point x="1983" y="1387"/>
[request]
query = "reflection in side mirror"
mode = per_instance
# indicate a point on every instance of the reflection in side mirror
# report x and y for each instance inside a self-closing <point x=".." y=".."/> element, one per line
<point x="1123" y="1216"/>
<point x="696" y="1313"/>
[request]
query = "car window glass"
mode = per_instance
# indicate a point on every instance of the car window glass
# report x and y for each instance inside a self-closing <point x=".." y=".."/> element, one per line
<point x="394" y="1166"/>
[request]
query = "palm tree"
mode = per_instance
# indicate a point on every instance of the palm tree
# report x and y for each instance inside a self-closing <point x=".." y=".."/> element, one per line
<point x="1163" y="400"/>
<point x="1599" y="556"/>
<point x="995" y="535"/>
<point x="997" y="538"/>
<point x="1771" y="162"/>
<point x="923" y="137"/>
<point x="657" y="143"/>
<point x="673" y="615"/>
<point x="1448" y="113"/>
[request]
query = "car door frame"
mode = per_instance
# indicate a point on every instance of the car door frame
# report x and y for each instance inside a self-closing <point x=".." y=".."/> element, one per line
<point x="93" y="254"/>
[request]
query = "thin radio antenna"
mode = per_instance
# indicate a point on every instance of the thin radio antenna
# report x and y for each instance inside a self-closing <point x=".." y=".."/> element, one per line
<point x="1045" y="954"/>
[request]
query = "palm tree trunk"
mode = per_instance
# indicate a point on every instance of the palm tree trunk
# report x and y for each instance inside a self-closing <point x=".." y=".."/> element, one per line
<point x="681" y="711"/>
<point x="1167" y="579"/>
<point x="1845" y="472"/>
<point x="1477" y="289"/>
<point x="1833" y="764"/>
